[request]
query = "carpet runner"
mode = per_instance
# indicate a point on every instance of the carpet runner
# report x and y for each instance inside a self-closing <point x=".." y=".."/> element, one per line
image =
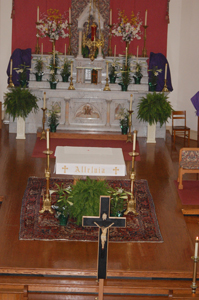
<point x="40" y="146"/>
<point x="35" y="226"/>
<point x="189" y="195"/>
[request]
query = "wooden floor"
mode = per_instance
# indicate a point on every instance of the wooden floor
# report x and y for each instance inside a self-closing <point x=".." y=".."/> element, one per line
<point x="134" y="268"/>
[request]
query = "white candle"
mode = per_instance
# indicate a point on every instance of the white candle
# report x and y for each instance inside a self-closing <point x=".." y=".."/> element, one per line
<point x="137" y="52"/>
<point x="107" y="70"/>
<point x="44" y="100"/>
<point x="126" y="57"/>
<point x="42" y="49"/>
<point x="196" y="247"/>
<point x="47" y="139"/>
<point x="131" y="101"/>
<point x="65" y="50"/>
<point x="37" y="13"/>
<point x="134" y="140"/>
<point x="145" y="23"/>
<point x="11" y="67"/>
<point x="114" y="51"/>
<point x="111" y="16"/>
<point x="165" y="74"/>
<point x="53" y="54"/>
<point x="69" y="15"/>
<point x="71" y="69"/>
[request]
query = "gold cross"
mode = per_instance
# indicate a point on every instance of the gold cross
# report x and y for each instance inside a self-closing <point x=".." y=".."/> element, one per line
<point x="116" y="169"/>
<point x="65" y="168"/>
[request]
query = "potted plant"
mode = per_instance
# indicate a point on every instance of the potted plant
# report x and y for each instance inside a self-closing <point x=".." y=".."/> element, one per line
<point x="53" y="119"/>
<point x="125" y="79"/>
<point x="118" y="199"/>
<point x="23" y="71"/>
<point x="19" y="102"/>
<point x="63" y="205"/>
<point x="154" y="108"/>
<point x="65" y="70"/>
<point x="123" y="117"/>
<point x="113" y="72"/>
<point x="39" y="67"/>
<point x="153" y="75"/>
<point x="137" y="73"/>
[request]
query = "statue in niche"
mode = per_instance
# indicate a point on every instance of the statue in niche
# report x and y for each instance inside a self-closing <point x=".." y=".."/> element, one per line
<point x="87" y="33"/>
<point x="87" y="111"/>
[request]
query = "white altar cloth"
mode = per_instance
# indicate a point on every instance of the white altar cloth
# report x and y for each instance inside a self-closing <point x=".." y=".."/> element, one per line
<point x="91" y="161"/>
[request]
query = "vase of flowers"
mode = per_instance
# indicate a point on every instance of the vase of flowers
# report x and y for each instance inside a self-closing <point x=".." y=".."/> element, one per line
<point x="137" y="73"/>
<point x="53" y="25"/>
<point x="65" y="70"/>
<point x="23" y="71"/>
<point x="39" y="67"/>
<point x="125" y="78"/>
<point x="113" y="71"/>
<point x="153" y="76"/>
<point x="128" y="30"/>
<point x="53" y="118"/>
<point x="123" y="116"/>
<point x="119" y="198"/>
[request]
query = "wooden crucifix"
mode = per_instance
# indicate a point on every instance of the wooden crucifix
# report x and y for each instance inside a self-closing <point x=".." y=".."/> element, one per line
<point x="104" y="222"/>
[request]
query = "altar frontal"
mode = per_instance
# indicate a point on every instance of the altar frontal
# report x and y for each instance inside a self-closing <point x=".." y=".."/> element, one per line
<point x="93" y="161"/>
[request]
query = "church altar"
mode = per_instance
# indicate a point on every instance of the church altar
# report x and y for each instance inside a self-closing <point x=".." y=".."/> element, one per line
<point x="88" y="107"/>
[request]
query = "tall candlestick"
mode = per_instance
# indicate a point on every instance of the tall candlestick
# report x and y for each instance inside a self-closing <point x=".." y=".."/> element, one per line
<point x="111" y="16"/>
<point x="196" y="247"/>
<point x="44" y="100"/>
<point x="107" y="70"/>
<point x="53" y="54"/>
<point x="137" y="52"/>
<point x="126" y="57"/>
<point x="42" y="49"/>
<point x="69" y="15"/>
<point x="11" y="67"/>
<point x="47" y="139"/>
<point x="65" y="50"/>
<point x="71" y="69"/>
<point x="165" y="74"/>
<point x="134" y="140"/>
<point x="131" y="101"/>
<point x="145" y="23"/>
<point x="37" y="13"/>
<point x="114" y="52"/>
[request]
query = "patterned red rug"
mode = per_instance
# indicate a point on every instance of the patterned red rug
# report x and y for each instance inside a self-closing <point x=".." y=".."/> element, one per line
<point x="40" y="146"/>
<point x="189" y="195"/>
<point x="35" y="226"/>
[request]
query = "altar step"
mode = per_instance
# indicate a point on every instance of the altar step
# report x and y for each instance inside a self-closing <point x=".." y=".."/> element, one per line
<point x="61" y="134"/>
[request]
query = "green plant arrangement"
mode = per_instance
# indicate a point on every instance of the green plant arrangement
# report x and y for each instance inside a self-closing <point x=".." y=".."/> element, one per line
<point x="153" y="108"/>
<point x="19" y="102"/>
<point x="113" y="70"/>
<point x="118" y="199"/>
<point x="125" y="79"/>
<point x="123" y="116"/>
<point x="65" y="70"/>
<point x="137" y="73"/>
<point x="39" y="68"/>
<point x="23" y="70"/>
<point x="54" y="63"/>
<point x="53" y="119"/>
<point x="85" y="197"/>
<point x="153" y="76"/>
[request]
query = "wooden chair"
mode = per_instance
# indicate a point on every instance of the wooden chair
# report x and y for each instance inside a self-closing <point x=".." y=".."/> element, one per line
<point x="182" y="128"/>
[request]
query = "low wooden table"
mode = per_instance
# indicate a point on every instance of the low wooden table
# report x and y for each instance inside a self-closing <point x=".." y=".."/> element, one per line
<point x="91" y="161"/>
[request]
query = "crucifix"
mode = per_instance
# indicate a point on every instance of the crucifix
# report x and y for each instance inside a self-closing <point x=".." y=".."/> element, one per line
<point x="104" y="222"/>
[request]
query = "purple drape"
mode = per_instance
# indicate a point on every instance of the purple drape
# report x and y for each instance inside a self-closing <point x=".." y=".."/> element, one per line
<point x="195" y="102"/>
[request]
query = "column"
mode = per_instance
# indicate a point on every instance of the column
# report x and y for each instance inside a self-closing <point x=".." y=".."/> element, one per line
<point x="80" y="44"/>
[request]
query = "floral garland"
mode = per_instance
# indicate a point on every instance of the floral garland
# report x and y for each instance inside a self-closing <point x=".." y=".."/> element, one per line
<point x="128" y="30"/>
<point x="53" y="25"/>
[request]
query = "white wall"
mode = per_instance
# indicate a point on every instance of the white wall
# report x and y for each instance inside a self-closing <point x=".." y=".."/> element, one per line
<point x="5" y="42"/>
<point x="183" y="56"/>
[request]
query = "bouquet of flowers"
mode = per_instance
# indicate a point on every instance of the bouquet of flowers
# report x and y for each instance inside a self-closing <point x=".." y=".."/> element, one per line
<point x="153" y="74"/>
<point x="128" y="30"/>
<point x="53" y="25"/>
<point x="123" y="116"/>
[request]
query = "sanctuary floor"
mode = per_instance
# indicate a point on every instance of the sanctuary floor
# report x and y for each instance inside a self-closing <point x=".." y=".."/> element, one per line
<point x="168" y="260"/>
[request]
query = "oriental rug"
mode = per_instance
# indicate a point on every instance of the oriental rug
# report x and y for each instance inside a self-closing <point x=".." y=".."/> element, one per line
<point x="189" y="195"/>
<point x="35" y="226"/>
<point x="40" y="146"/>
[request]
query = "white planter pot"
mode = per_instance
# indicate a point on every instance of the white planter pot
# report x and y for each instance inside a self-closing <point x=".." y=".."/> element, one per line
<point x="151" y="133"/>
<point x="21" y="129"/>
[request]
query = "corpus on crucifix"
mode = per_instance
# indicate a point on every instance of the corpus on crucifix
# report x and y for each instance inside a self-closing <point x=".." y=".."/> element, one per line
<point x="104" y="222"/>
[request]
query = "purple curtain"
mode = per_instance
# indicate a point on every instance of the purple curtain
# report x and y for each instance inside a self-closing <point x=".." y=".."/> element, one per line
<point x="195" y="102"/>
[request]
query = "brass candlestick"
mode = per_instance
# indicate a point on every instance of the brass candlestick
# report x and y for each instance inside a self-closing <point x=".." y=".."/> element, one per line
<point x="110" y="53"/>
<point x="144" y="51"/>
<point x="47" y="197"/>
<point x="37" y="47"/>
<point x="129" y="135"/>
<point x="165" y="89"/>
<point x="69" y="50"/>
<point x="71" y="87"/>
<point x="11" y="84"/>
<point x="107" y="88"/>
<point x="194" y="285"/>
<point x="43" y="134"/>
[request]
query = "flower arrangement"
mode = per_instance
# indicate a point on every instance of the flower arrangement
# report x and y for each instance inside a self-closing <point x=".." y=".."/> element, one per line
<point x="23" y="70"/>
<point x="137" y="69"/>
<point x="128" y="30"/>
<point x="52" y="25"/>
<point x="125" y="70"/>
<point x="118" y="197"/>
<point x="153" y="74"/>
<point x="65" y="67"/>
<point x="39" y="66"/>
<point x="123" y="116"/>
<point x="53" y="118"/>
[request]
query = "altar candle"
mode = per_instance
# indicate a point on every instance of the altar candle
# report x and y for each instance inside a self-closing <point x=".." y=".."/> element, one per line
<point x="11" y="67"/>
<point x="196" y="247"/>
<point x="165" y="74"/>
<point x="137" y="52"/>
<point x="126" y="57"/>
<point x="42" y="49"/>
<point x="114" y="51"/>
<point x="131" y="101"/>
<point x="69" y="15"/>
<point x="65" y="50"/>
<point x="47" y="138"/>
<point x="134" y="140"/>
<point x="37" y="13"/>
<point x="145" y="23"/>
<point x="44" y="100"/>
<point x="107" y="70"/>
<point x="111" y="16"/>
<point x="54" y="54"/>
<point x="71" y="69"/>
